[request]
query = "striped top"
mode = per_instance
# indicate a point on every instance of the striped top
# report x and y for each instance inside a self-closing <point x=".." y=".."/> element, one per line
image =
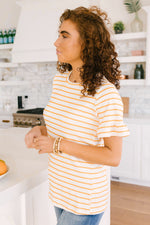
<point x="74" y="184"/>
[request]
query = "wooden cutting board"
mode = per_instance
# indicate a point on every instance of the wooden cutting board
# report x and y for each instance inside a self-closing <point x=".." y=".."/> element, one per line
<point x="125" y="101"/>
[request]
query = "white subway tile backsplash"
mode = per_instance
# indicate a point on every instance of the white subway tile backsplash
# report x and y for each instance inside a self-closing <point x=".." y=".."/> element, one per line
<point x="139" y="102"/>
<point x="40" y="78"/>
<point x="39" y="89"/>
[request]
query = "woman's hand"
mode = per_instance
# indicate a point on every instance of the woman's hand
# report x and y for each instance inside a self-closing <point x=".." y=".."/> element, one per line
<point x="44" y="144"/>
<point x="35" y="132"/>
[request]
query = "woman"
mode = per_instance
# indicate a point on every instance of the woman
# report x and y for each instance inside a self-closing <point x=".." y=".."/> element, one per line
<point x="84" y="118"/>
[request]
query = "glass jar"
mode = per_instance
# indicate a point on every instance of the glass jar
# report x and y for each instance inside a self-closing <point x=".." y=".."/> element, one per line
<point x="137" y="24"/>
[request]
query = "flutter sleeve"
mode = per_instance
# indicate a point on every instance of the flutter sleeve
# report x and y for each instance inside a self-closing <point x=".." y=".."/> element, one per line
<point x="109" y="110"/>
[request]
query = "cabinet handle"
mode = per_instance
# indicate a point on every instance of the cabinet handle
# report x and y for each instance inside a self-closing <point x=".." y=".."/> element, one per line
<point x="115" y="177"/>
<point x="6" y="121"/>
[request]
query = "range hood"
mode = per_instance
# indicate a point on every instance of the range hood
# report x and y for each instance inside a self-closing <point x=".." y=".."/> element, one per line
<point x="36" y="32"/>
<point x="37" y="29"/>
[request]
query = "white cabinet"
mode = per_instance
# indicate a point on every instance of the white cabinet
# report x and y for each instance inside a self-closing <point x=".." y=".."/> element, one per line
<point x="135" y="163"/>
<point x="130" y="162"/>
<point x="145" y="154"/>
<point x="34" y="208"/>
<point x="39" y="210"/>
<point x="11" y="213"/>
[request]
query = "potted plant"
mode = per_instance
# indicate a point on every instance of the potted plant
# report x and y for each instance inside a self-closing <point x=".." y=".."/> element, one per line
<point x="119" y="27"/>
<point x="133" y="6"/>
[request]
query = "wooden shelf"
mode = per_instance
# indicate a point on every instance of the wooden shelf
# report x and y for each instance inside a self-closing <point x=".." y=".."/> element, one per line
<point x="129" y="36"/>
<point x="132" y="59"/>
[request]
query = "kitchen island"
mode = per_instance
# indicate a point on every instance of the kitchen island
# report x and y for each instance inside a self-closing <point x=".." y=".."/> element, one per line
<point x="24" y="189"/>
<point x="26" y="179"/>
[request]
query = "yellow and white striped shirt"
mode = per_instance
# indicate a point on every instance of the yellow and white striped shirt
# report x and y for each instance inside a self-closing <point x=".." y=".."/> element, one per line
<point x="74" y="184"/>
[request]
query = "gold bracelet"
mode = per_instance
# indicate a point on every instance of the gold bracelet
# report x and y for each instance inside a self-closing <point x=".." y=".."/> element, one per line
<point x="56" y="145"/>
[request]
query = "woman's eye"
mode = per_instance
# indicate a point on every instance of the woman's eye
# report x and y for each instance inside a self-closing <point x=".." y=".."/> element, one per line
<point x="64" y="36"/>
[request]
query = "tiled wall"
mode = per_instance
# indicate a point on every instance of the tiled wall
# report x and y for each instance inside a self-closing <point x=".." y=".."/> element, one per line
<point x="38" y="85"/>
<point x="39" y="77"/>
<point x="139" y="99"/>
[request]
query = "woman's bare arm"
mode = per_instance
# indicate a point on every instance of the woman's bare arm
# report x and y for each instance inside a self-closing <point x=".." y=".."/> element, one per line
<point x="110" y="154"/>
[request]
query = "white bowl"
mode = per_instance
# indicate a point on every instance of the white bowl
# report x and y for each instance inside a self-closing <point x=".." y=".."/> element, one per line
<point x="3" y="175"/>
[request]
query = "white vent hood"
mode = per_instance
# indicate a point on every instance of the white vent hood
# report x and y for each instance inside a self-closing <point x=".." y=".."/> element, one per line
<point x="36" y="33"/>
<point x="37" y="29"/>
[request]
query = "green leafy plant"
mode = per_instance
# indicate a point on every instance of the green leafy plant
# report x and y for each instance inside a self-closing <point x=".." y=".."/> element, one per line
<point x="118" y="27"/>
<point x="132" y="6"/>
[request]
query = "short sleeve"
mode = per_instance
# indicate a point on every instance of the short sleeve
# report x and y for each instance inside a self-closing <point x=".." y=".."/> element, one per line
<point x="109" y="110"/>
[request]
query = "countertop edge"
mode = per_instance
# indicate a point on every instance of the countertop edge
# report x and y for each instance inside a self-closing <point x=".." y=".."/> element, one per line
<point x="23" y="186"/>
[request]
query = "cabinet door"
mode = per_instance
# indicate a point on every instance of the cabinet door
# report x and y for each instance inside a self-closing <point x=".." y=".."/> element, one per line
<point x="145" y="154"/>
<point x="106" y="217"/>
<point x="39" y="209"/>
<point x="130" y="162"/>
<point x="11" y="213"/>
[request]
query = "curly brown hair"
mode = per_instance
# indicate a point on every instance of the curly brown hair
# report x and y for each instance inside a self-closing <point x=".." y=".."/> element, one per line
<point x="97" y="51"/>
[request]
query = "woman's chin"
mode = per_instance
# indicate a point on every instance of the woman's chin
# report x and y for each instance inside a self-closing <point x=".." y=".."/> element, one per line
<point x="62" y="61"/>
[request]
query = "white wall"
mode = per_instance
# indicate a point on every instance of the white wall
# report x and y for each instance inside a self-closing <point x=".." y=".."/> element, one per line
<point x="9" y="11"/>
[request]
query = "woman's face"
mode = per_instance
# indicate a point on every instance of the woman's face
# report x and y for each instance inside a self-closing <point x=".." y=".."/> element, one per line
<point x="68" y="44"/>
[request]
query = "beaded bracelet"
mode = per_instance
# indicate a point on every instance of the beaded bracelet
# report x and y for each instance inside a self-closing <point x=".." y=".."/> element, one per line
<point x="56" y="145"/>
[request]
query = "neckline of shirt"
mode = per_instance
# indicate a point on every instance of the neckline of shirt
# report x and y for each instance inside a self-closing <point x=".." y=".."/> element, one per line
<point x="70" y="82"/>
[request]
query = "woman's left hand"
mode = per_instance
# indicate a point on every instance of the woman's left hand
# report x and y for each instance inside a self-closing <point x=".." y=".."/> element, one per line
<point x="44" y="144"/>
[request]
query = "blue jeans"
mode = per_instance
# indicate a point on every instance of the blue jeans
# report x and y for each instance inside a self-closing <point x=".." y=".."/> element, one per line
<point x="67" y="218"/>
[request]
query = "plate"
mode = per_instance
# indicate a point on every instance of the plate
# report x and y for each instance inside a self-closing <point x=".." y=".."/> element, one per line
<point x="1" y="176"/>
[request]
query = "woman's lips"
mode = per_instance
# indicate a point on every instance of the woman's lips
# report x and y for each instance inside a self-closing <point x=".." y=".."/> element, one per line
<point x="58" y="52"/>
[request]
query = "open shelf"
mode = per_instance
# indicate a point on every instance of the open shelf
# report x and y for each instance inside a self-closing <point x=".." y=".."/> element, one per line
<point x="133" y="82"/>
<point x="6" y="46"/>
<point x="129" y="36"/>
<point x="14" y="83"/>
<point x="8" y="65"/>
<point x="132" y="59"/>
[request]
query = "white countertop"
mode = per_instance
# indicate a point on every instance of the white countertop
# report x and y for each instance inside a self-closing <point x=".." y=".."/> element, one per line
<point x="27" y="168"/>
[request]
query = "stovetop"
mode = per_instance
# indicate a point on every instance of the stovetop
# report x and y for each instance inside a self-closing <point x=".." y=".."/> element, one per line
<point x="28" y="118"/>
<point x="31" y="111"/>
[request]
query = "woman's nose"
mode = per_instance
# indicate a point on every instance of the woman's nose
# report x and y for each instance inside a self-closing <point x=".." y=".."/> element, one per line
<point x="56" y="43"/>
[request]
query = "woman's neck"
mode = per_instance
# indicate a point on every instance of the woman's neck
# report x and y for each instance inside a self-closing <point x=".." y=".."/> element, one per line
<point x="75" y="75"/>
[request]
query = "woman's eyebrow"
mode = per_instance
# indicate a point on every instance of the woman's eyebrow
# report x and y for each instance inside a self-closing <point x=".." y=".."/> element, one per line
<point x="64" y="32"/>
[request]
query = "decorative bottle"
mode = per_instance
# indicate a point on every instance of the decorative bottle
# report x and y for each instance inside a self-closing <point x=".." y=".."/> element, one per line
<point x="5" y="37"/>
<point x="1" y="37"/>
<point x="139" y="72"/>
<point x="10" y="38"/>
<point x="137" y="24"/>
